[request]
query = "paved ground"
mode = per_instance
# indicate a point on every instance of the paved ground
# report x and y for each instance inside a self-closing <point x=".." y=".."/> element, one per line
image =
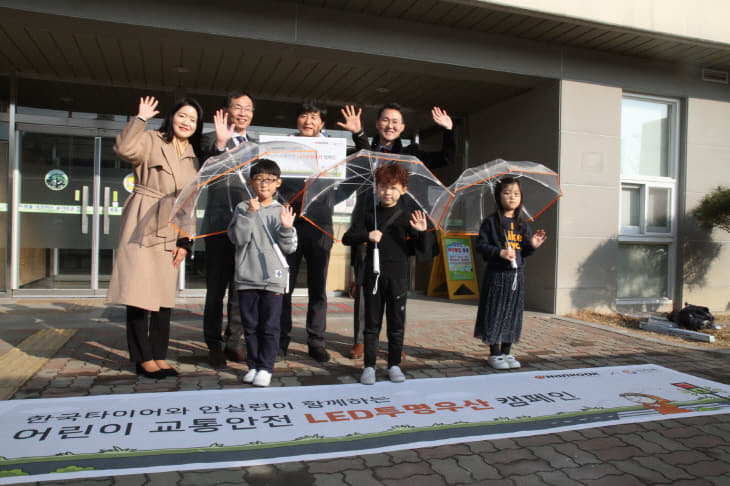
<point x="692" y="451"/>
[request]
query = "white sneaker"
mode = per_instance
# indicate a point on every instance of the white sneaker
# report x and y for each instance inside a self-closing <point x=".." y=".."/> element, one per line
<point x="263" y="378"/>
<point x="498" y="362"/>
<point x="249" y="377"/>
<point x="368" y="376"/>
<point x="396" y="375"/>
<point x="512" y="361"/>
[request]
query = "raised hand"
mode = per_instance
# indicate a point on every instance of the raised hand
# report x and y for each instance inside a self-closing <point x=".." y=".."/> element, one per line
<point x="418" y="221"/>
<point x="253" y="205"/>
<point x="223" y="132"/>
<point x="441" y="118"/>
<point x="352" y="119"/>
<point x="287" y="216"/>
<point x="147" y="108"/>
<point x="538" y="238"/>
<point x="375" y="236"/>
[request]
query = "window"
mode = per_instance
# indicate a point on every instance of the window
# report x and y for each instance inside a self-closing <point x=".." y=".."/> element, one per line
<point x="649" y="128"/>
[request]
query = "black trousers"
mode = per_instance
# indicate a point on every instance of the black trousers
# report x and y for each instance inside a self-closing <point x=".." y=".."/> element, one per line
<point x="261" y="314"/>
<point x="314" y="246"/>
<point x="219" y="276"/>
<point x="390" y="299"/>
<point x="147" y="339"/>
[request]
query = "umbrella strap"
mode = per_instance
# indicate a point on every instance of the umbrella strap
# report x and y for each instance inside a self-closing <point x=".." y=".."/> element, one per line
<point x="375" y="287"/>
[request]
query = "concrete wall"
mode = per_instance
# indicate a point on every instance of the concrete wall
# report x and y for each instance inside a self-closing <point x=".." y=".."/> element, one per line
<point x="699" y="19"/>
<point x="524" y="128"/>
<point x="590" y="140"/>
<point x="705" y="257"/>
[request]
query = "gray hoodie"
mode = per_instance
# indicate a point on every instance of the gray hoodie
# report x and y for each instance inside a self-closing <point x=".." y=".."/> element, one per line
<point x="257" y="264"/>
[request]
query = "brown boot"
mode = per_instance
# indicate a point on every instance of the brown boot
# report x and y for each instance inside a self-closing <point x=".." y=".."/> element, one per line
<point x="357" y="350"/>
<point x="237" y="355"/>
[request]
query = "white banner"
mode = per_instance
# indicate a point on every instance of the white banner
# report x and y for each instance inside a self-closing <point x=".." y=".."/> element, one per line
<point x="330" y="151"/>
<point x="123" y="434"/>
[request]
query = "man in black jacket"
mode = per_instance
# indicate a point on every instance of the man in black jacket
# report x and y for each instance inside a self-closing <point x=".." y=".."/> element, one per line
<point x="314" y="247"/>
<point x="390" y="125"/>
<point x="231" y="123"/>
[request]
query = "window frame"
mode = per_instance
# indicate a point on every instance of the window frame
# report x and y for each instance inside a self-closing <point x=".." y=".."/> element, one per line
<point x="643" y="235"/>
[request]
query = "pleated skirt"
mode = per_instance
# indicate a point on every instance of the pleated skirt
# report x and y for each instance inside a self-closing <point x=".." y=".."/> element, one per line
<point x="499" y="318"/>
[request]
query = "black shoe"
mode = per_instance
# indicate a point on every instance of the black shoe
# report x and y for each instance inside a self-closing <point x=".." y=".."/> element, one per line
<point x="237" y="355"/>
<point x="155" y="375"/>
<point x="281" y="355"/>
<point x="319" y="354"/>
<point x="217" y="358"/>
<point x="170" y="371"/>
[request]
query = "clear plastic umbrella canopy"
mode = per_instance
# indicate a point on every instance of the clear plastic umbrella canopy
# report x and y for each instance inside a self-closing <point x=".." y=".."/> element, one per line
<point x="323" y="193"/>
<point x="473" y="194"/>
<point x="205" y="205"/>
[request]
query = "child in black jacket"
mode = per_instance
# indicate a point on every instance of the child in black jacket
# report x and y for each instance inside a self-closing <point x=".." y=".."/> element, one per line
<point x="504" y="241"/>
<point x="397" y="235"/>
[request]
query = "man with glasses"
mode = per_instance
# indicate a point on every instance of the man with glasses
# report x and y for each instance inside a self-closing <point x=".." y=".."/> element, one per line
<point x="231" y="123"/>
<point x="389" y="125"/>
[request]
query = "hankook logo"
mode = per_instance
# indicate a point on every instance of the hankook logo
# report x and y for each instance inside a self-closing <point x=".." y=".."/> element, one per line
<point x="567" y="375"/>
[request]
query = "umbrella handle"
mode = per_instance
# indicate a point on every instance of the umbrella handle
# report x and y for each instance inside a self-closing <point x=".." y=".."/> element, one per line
<point x="376" y="268"/>
<point x="513" y="263"/>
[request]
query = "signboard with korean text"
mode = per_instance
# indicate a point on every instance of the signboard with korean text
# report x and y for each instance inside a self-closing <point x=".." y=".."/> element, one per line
<point x="330" y="151"/>
<point x="453" y="272"/>
<point x="64" y="438"/>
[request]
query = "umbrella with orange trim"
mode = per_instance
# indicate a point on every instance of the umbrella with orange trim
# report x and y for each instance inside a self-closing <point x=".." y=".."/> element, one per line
<point x="205" y="205"/>
<point x="323" y="194"/>
<point x="474" y="199"/>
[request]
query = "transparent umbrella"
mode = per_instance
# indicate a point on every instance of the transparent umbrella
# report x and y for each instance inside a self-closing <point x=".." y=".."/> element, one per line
<point x="322" y="193"/>
<point x="473" y="197"/>
<point x="205" y="205"/>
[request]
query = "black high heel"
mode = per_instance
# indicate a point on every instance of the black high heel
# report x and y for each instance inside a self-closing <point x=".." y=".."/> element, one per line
<point x="170" y="371"/>
<point x="155" y="375"/>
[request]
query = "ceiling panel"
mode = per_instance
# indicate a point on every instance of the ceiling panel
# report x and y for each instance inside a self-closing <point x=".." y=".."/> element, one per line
<point x="20" y="49"/>
<point x="437" y="12"/>
<point x="93" y="58"/>
<point x="265" y="72"/>
<point x="130" y="54"/>
<point x="118" y="62"/>
<point x="471" y="18"/>
<point x="487" y="23"/>
<point x="53" y="59"/>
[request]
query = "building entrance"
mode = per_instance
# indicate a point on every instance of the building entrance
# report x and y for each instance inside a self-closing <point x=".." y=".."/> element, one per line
<point x="72" y="188"/>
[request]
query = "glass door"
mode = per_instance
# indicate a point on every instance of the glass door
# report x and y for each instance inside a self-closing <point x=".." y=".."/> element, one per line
<point x="56" y="197"/>
<point x="72" y="191"/>
<point x="116" y="182"/>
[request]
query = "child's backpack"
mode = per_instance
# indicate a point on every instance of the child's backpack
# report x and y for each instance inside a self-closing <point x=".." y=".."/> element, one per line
<point x="695" y="317"/>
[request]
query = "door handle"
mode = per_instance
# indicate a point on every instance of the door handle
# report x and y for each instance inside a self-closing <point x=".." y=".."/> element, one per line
<point x="105" y="227"/>
<point x="84" y="205"/>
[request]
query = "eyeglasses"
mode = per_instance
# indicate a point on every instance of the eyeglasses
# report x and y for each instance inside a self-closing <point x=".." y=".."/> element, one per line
<point x="264" y="181"/>
<point x="244" y="109"/>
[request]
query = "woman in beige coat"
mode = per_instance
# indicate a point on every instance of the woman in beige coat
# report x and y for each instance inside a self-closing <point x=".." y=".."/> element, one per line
<point x="145" y="268"/>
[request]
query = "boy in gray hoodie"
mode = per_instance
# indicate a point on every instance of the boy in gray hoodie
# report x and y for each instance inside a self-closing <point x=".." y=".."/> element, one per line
<point x="262" y="231"/>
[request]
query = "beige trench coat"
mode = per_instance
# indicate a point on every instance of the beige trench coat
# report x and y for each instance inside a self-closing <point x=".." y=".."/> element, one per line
<point x="143" y="274"/>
